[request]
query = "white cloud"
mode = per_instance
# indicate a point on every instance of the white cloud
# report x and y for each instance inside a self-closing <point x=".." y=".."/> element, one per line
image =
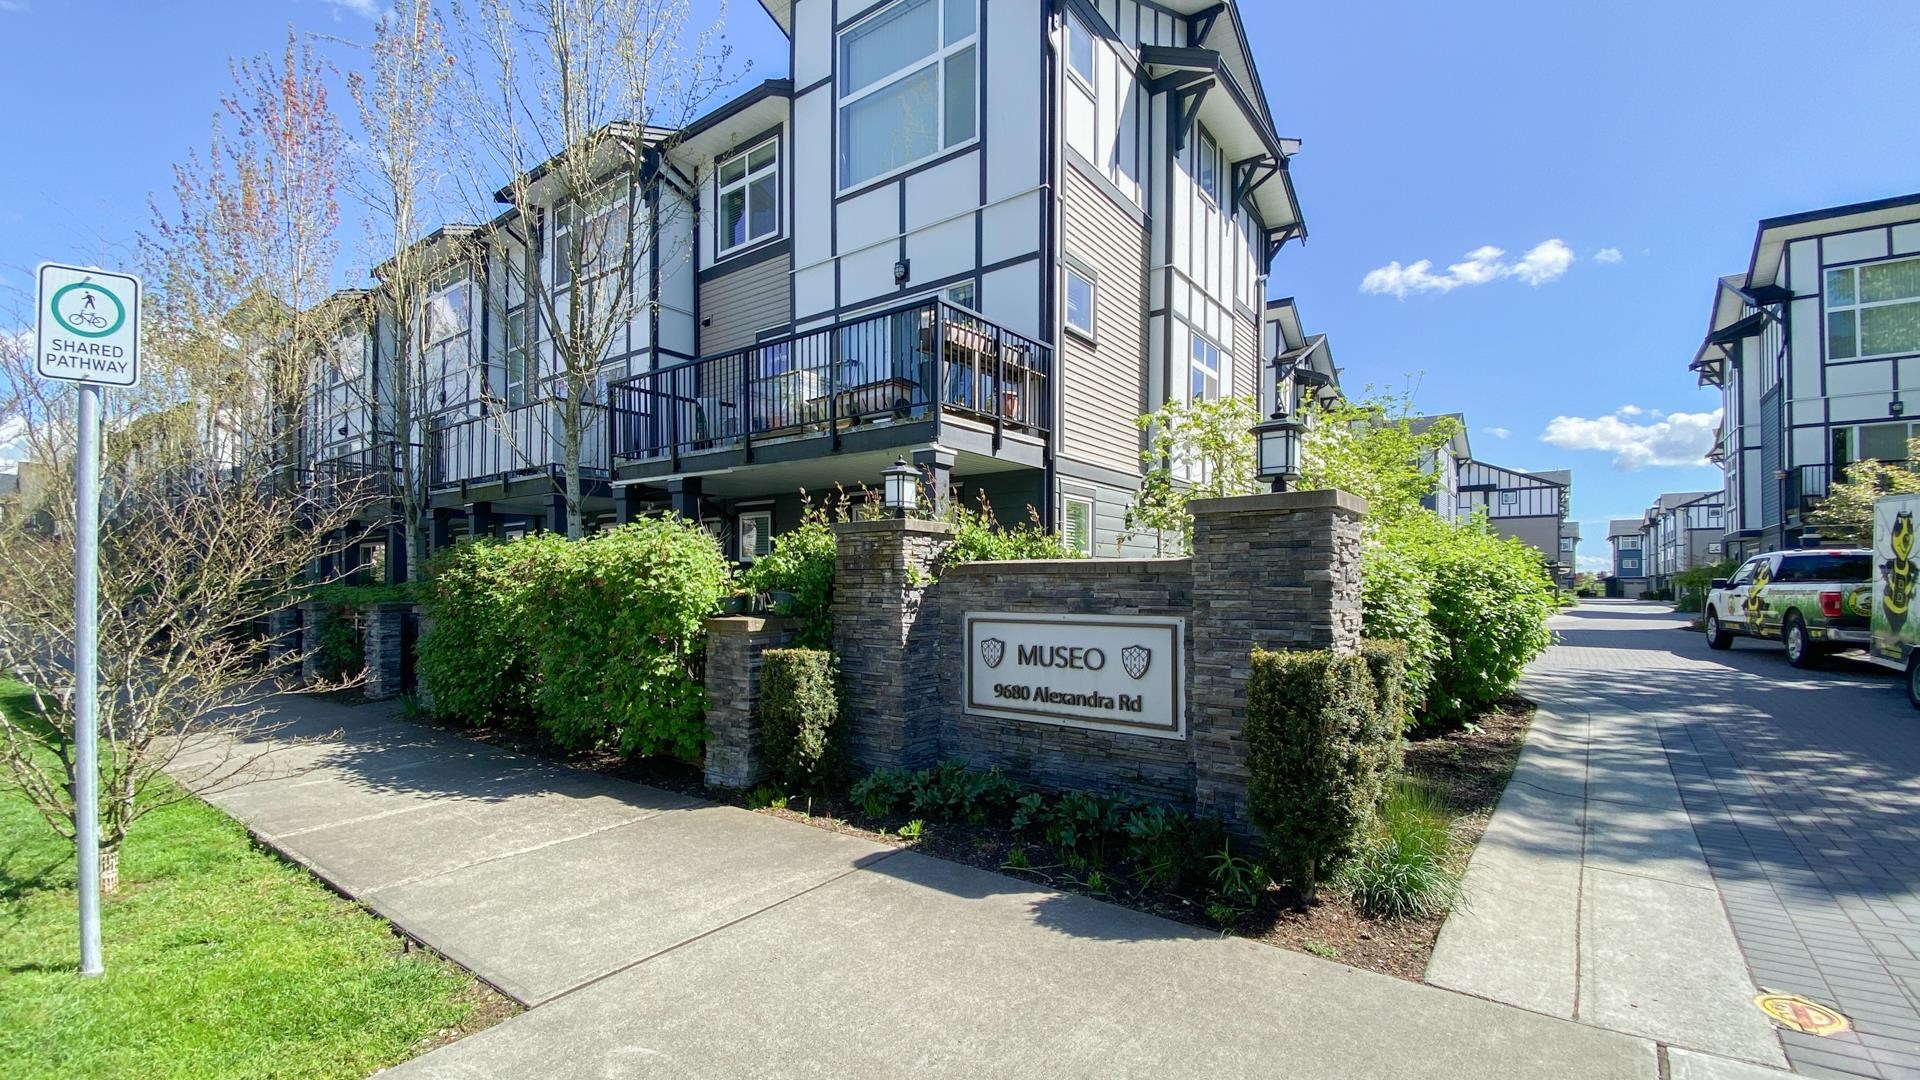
<point x="15" y="7"/>
<point x="1592" y="564"/>
<point x="1660" y="439"/>
<point x="1542" y="263"/>
<point x="1498" y="432"/>
<point x="1608" y="255"/>
<point x="366" y="9"/>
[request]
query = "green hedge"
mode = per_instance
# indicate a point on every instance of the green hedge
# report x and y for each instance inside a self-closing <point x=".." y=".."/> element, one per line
<point x="1318" y="752"/>
<point x="617" y="630"/>
<point x="337" y="616"/>
<point x="801" y="565"/>
<point x="799" y="718"/>
<point x="1488" y="600"/>
<point x="1397" y="601"/>
<point x="475" y="658"/>
<point x="596" y="641"/>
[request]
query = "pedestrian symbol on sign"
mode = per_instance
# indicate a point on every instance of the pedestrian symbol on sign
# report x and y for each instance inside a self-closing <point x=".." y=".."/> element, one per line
<point x="77" y="309"/>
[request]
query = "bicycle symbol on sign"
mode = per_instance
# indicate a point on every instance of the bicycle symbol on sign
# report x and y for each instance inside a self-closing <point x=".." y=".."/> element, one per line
<point x="87" y="318"/>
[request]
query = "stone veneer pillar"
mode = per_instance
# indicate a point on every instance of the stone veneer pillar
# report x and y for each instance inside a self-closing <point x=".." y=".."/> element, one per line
<point x="283" y="638"/>
<point x="309" y="643"/>
<point x="736" y="645"/>
<point x="383" y="630"/>
<point x="1279" y="571"/>
<point x="887" y="658"/>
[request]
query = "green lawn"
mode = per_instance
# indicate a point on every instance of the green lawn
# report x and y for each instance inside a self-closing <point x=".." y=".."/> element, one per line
<point x="222" y="961"/>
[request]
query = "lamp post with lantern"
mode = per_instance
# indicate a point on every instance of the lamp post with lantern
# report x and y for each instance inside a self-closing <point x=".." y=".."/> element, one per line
<point x="1277" y="438"/>
<point x="901" y="486"/>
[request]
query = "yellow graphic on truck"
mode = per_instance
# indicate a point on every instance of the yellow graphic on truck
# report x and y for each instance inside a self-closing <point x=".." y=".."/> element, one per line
<point x="1896" y="578"/>
<point x="1756" y="602"/>
<point x="1897" y="573"/>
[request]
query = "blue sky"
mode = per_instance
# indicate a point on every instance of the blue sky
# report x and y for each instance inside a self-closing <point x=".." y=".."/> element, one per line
<point x="1616" y="155"/>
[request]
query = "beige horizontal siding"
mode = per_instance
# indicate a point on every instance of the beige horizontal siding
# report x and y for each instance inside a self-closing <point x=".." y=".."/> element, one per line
<point x="1105" y="384"/>
<point x="745" y="302"/>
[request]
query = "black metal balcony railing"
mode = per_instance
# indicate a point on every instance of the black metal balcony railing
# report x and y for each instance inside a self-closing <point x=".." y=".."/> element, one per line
<point x="507" y="443"/>
<point x="1807" y="485"/>
<point x="367" y="472"/>
<point x="900" y="364"/>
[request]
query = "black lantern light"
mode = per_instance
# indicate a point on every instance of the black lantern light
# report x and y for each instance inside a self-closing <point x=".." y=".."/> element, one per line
<point x="1277" y="438"/>
<point x="902" y="487"/>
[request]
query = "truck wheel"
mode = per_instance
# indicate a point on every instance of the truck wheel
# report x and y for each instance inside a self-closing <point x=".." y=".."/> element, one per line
<point x="1718" y="637"/>
<point x="1800" y="650"/>
<point x="1913" y="680"/>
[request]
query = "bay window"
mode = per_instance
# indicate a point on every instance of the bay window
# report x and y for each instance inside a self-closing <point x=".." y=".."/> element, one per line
<point x="749" y="196"/>
<point x="908" y="86"/>
<point x="1873" y="310"/>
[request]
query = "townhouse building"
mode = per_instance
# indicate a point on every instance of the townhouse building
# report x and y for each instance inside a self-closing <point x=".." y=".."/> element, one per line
<point x="1813" y="348"/>
<point x="981" y="235"/>
<point x="1531" y="507"/>
<point x="1682" y="530"/>
<point x="1628" y="578"/>
<point x="1445" y="464"/>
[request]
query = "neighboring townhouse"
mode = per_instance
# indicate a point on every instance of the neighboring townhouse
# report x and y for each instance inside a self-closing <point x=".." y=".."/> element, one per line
<point x="1680" y="531"/>
<point x="1629" y="577"/>
<point x="1531" y="507"/>
<point x="981" y="235"/>
<point x="1445" y="465"/>
<point x="1813" y="349"/>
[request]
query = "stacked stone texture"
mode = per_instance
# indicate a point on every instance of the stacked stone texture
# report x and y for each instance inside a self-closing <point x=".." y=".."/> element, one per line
<point x="888" y="659"/>
<point x="736" y="646"/>
<point x="1053" y="756"/>
<point x="383" y="630"/>
<point x="1277" y="571"/>
<point x="283" y="637"/>
<point x="309" y="643"/>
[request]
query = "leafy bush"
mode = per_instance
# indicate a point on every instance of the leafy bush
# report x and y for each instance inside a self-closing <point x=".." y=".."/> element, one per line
<point x="1312" y="779"/>
<point x="339" y="650"/>
<point x="882" y="792"/>
<point x="1491" y="599"/>
<point x="475" y="657"/>
<point x="1396" y="605"/>
<point x="617" y="628"/>
<point x="1406" y="865"/>
<point x="1691" y="586"/>
<point x="801" y="565"/>
<point x="799" y="717"/>
<point x="979" y="537"/>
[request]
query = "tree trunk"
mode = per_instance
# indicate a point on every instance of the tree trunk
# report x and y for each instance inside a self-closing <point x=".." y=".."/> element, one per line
<point x="570" y="440"/>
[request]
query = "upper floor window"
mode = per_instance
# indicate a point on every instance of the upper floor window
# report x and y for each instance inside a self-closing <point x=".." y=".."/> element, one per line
<point x="1873" y="310"/>
<point x="446" y="309"/>
<point x="1628" y="543"/>
<point x="1080" y="294"/>
<point x="1509" y="498"/>
<point x="517" y="378"/>
<point x="1205" y="384"/>
<point x="590" y="235"/>
<point x="1080" y="51"/>
<point x="749" y="190"/>
<point x="1207" y="167"/>
<point x="349" y="355"/>
<point x="908" y="86"/>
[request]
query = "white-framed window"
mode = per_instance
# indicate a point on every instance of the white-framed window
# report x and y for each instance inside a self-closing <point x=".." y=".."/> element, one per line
<point x="1080" y="302"/>
<point x="1076" y="525"/>
<point x="1204" y="383"/>
<point x="908" y="86"/>
<point x="1509" y="498"/>
<point x="1870" y="442"/>
<point x="444" y="337"/>
<point x="602" y="226"/>
<point x="516" y="379"/>
<point x="756" y="534"/>
<point x="1206" y="166"/>
<point x="748" y="196"/>
<point x="1873" y="310"/>
<point x="1080" y="53"/>
<point x="1567" y="545"/>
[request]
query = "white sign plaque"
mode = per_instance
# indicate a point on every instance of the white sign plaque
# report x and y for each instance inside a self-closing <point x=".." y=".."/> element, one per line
<point x="88" y="326"/>
<point x="1120" y="673"/>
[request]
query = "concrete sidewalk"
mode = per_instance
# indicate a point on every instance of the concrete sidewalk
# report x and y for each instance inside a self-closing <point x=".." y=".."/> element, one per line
<point x="654" y="934"/>
<point x="1589" y="897"/>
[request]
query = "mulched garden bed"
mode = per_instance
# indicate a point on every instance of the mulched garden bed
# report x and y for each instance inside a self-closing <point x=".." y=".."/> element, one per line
<point x="1467" y="769"/>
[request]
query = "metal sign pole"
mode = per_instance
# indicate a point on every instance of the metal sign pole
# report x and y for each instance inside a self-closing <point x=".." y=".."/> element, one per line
<point x="86" y="781"/>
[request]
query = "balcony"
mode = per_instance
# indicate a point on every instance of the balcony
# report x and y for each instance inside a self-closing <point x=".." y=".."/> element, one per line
<point x="337" y="474"/>
<point x="510" y="444"/>
<point x="921" y="362"/>
<point x="1806" y="486"/>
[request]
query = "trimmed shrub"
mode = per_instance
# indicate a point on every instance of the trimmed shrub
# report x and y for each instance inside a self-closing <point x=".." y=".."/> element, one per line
<point x="801" y="565"/>
<point x="617" y="627"/>
<point x="475" y="657"/>
<point x="1386" y="730"/>
<point x="1397" y="605"/>
<point x="1491" y="599"/>
<point x="799" y="717"/>
<point x="1312" y="779"/>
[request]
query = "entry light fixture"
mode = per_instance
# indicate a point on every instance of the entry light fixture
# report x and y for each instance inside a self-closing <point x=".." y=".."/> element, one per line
<point x="902" y="487"/>
<point x="1278" y="439"/>
<point x="1896" y="407"/>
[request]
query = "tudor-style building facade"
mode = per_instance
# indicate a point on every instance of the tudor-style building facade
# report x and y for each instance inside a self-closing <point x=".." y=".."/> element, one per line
<point x="1815" y="349"/>
<point x="984" y="235"/>
<point x="1530" y="507"/>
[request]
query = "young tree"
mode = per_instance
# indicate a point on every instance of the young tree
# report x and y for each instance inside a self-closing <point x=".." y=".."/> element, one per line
<point x="400" y="180"/>
<point x="1372" y="448"/>
<point x="1202" y="450"/>
<point x="1846" y="514"/>
<point x="573" y="102"/>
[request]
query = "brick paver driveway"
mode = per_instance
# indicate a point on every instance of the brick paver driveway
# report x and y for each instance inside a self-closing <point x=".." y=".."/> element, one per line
<point x="1804" y="791"/>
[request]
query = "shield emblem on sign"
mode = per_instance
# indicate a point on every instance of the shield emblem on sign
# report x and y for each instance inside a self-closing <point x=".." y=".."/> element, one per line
<point x="991" y="650"/>
<point x="1135" y="659"/>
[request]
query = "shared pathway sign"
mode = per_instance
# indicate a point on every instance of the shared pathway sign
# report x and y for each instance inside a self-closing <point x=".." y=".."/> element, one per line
<point x="87" y="331"/>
